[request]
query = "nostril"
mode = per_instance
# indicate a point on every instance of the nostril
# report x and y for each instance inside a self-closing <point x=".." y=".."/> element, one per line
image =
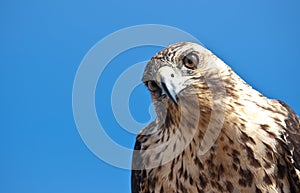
<point x="172" y="75"/>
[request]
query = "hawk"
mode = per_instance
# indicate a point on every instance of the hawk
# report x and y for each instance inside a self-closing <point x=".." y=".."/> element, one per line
<point x="213" y="132"/>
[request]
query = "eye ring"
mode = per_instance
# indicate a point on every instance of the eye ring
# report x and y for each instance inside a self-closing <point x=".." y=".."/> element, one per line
<point x="190" y="61"/>
<point x="152" y="86"/>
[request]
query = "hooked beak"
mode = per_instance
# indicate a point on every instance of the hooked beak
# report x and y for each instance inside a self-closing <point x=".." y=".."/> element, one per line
<point x="171" y="82"/>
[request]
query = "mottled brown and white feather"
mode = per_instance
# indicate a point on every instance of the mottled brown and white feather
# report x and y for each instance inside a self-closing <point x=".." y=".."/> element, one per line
<point x="256" y="150"/>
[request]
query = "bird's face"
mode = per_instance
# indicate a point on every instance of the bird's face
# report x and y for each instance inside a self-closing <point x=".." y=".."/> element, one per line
<point x="178" y="72"/>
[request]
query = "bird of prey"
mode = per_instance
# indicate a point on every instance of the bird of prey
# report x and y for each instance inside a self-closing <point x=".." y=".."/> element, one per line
<point x="213" y="132"/>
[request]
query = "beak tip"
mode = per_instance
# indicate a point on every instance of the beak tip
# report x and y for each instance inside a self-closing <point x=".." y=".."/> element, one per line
<point x="170" y="93"/>
<point x="175" y="101"/>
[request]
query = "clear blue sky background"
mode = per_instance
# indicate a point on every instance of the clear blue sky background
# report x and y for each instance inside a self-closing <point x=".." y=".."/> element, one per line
<point x="43" y="42"/>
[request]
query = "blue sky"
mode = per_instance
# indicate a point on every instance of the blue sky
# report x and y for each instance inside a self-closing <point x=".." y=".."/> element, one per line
<point x="43" y="42"/>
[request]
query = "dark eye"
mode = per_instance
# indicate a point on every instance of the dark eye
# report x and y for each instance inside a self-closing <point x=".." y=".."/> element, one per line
<point x="153" y="87"/>
<point x="190" y="61"/>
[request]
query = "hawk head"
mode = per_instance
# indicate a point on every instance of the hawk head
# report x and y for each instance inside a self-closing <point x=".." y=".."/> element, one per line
<point x="185" y="75"/>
